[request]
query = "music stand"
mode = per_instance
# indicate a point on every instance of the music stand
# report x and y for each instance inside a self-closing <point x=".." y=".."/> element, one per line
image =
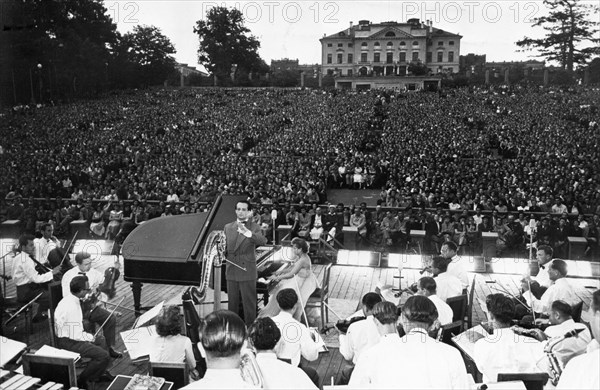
<point x="23" y="308"/>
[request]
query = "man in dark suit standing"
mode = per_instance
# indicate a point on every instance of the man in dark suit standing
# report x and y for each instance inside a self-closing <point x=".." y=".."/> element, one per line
<point x="243" y="236"/>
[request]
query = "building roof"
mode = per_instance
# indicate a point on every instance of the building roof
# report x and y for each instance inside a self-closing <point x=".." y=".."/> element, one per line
<point x="379" y="31"/>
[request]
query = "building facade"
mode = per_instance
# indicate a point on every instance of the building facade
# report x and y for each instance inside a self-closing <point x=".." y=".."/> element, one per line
<point x="390" y="49"/>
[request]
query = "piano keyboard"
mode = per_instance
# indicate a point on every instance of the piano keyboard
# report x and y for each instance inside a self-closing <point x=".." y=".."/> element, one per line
<point x="14" y="381"/>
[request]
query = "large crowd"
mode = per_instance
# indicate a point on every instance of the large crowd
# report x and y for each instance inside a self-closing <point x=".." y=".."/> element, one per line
<point x="505" y="149"/>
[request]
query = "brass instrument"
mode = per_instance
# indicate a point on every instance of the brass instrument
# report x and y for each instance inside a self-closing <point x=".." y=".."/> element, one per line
<point x="250" y="370"/>
<point x="214" y="255"/>
<point x="556" y="366"/>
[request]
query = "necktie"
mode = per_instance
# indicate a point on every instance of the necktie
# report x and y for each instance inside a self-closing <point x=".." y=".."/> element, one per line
<point x="542" y="267"/>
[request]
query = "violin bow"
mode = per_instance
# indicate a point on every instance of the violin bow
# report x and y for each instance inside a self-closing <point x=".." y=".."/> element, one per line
<point x="68" y="248"/>
<point x="108" y="317"/>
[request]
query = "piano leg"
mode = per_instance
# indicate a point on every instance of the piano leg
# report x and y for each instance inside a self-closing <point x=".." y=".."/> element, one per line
<point x="136" y="288"/>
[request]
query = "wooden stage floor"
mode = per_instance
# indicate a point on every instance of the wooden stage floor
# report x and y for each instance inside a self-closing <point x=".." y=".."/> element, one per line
<point x="348" y="283"/>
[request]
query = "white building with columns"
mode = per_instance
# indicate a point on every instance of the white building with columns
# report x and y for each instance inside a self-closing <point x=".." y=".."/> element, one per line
<point x="371" y="55"/>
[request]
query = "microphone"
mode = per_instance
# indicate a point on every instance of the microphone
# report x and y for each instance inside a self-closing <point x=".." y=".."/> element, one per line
<point x="274" y="215"/>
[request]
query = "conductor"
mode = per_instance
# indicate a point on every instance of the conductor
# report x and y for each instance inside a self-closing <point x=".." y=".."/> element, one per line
<point x="243" y="236"/>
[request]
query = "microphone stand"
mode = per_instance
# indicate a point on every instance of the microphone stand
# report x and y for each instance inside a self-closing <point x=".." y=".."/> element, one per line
<point x="4" y="271"/>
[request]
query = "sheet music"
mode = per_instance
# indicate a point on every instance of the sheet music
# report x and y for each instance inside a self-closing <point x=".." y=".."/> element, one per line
<point x="139" y="341"/>
<point x="10" y="349"/>
<point x="318" y="340"/>
<point x="148" y="316"/>
<point x="47" y="350"/>
<point x="466" y="340"/>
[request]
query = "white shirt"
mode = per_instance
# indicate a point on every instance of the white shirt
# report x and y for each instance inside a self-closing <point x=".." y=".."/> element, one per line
<point x="572" y="346"/>
<point x="95" y="278"/>
<point x="445" y="312"/>
<point x="230" y="378"/>
<point x="360" y="336"/>
<point x="24" y="271"/>
<point x="173" y="349"/>
<point x="582" y="372"/>
<point x="415" y="361"/>
<point x="448" y="286"/>
<point x="563" y="289"/>
<point x="68" y="320"/>
<point x="295" y="340"/>
<point x="43" y="246"/>
<point x="282" y="375"/>
<point x="456" y="268"/>
<point x="543" y="278"/>
<point x="507" y="352"/>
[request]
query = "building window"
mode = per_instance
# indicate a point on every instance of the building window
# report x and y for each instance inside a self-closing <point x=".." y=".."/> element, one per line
<point x="376" y="57"/>
<point x="415" y="56"/>
<point x="390" y="34"/>
<point x="389" y="58"/>
<point x="363" y="57"/>
<point x="340" y="58"/>
<point x="451" y="43"/>
<point x="402" y="43"/>
<point x="429" y="56"/>
<point x="350" y="45"/>
<point x="349" y="72"/>
<point x="440" y="56"/>
<point x="330" y="45"/>
<point x="402" y="56"/>
<point x="450" y="56"/>
<point x="415" y="43"/>
<point x="329" y="58"/>
<point x="390" y="46"/>
<point x="364" y="46"/>
<point x="441" y="43"/>
<point x="340" y="45"/>
<point x="350" y="58"/>
<point x="377" y="46"/>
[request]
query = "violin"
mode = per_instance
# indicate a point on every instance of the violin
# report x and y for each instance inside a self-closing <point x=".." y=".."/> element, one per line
<point x="343" y="325"/>
<point x="111" y="275"/>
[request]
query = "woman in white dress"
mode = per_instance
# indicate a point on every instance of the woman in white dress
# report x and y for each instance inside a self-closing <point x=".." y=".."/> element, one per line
<point x="298" y="275"/>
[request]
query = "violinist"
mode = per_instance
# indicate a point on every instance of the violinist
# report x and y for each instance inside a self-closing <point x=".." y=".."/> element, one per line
<point x="91" y="312"/>
<point x="31" y="276"/>
<point x="361" y="335"/>
<point x="428" y="288"/>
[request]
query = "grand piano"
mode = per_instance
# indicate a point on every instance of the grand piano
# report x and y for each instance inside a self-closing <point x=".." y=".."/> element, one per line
<point x="168" y="250"/>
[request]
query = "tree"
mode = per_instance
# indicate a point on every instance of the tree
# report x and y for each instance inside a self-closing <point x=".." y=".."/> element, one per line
<point x="568" y="26"/>
<point x="150" y="53"/>
<point x="225" y="42"/>
<point x="418" y="69"/>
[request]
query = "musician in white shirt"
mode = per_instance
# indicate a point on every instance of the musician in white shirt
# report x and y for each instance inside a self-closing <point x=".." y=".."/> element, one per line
<point x="540" y="283"/>
<point x="360" y="336"/>
<point x="505" y="351"/>
<point x="562" y="289"/>
<point x="582" y="371"/>
<point x="68" y="324"/>
<point x="427" y="287"/>
<point x="447" y="285"/>
<point x="562" y="323"/>
<point x="296" y="340"/>
<point x="223" y="336"/>
<point x="46" y="243"/>
<point x="92" y="312"/>
<point x="455" y="267"/>
<point x="264" y="336"/>
<point x="415" y="361"/>
<point x="26" y="277"/>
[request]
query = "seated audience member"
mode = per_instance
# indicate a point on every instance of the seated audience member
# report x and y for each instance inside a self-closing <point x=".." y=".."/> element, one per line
<point x="415" y="361"/>
<point x="68" y="324"/>
<point x="264" y="335"/>
<point x="582" y="371"/>
<point x="170" y="346"/>
<point x="447" y="285"/>
<point x="563" y="289"/>
<point x="360" y="335"/>
<point x="223" y="336"/>
<point x="562" y="323"/>
<point x="296" y="341"/>
<point x="427" y="288"/>
<point x="455" y="268"/>
<point x="505" y="351"/>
